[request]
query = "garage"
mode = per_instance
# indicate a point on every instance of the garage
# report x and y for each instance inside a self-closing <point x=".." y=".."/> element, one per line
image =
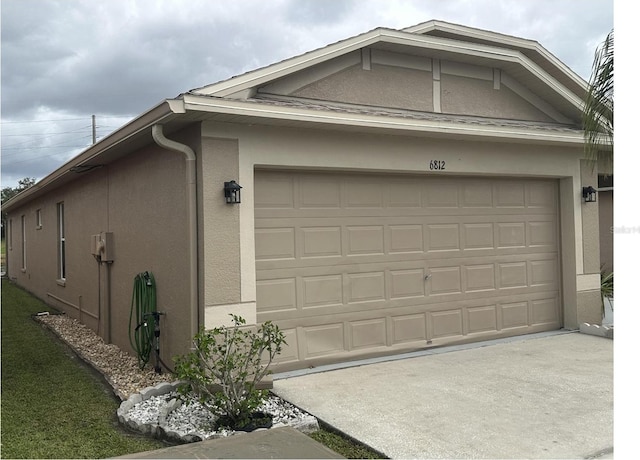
<point x="354" y="265"/>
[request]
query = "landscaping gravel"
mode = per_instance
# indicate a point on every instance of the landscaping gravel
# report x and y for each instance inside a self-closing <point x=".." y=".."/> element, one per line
<point x="126" y="378"/>
<point x="119" y="368"/>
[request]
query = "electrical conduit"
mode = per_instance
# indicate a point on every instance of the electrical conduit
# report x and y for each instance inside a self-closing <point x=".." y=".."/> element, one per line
<point x="190" y="159"/>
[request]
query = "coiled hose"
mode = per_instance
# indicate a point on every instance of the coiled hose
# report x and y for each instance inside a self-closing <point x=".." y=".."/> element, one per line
<point x="143" y="302"/>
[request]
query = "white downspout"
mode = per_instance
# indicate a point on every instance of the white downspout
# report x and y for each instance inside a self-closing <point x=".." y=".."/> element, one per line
<point x="190" y="158"/>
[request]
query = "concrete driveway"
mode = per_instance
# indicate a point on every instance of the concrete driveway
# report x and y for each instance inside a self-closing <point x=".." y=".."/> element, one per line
<point x="537" y="396"/>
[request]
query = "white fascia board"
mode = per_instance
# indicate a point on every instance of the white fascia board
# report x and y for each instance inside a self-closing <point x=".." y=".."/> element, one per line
<point x="281" y="69"/>
<point x="296" y="114"/>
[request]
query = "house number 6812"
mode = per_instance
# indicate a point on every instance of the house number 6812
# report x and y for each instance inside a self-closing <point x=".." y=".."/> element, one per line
<point x="436" y="165"/>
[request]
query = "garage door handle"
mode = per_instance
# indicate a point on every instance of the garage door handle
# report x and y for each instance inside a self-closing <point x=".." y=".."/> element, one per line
<point x="426" y="278"/>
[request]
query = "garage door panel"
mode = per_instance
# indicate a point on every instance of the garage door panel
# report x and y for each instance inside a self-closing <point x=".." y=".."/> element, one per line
<point x="368" y="333"/>
<point x="365" y="240"/>
<point x="318" y="192"/>
<point x="405" y="238"/>
<point x="445" y="323"/>
<point x="510" y="194"/>
<point x="320" y="241"/>
<point x="406" y="283"/>
<point x="353" y="264"/>
<point x="318" y="291"/>
<point x="441" y="194"/>
<point x="544" y="311"/>
<point x="360" y="194"/>
<point x="277" y="295"/>
<point x="323" y="340"/>
<point x="481" y="319"/>
<point x="443" y="237"/>
<point x="479" y="277"/>
<point x="275" y="243"/>
<point x="476" y="194"/>
<point x="365" y="287"/>
<point x="514" y="314"/>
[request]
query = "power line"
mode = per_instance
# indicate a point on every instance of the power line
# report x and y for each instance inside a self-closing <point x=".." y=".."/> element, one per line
<point x="44" y="121"/>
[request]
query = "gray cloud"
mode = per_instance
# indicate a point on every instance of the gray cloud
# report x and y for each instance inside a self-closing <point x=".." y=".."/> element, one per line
<point x="118" y="58"/>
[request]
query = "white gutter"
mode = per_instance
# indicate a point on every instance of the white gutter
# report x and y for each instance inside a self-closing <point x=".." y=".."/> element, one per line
<point x="190" y="158"/>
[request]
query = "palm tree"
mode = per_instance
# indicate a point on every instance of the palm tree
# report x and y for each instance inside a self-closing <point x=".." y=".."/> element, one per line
<point x="597" y="118"/>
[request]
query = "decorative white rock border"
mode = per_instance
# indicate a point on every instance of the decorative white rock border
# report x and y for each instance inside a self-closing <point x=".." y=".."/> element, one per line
<point x="160" y="429"/>
<point x="595" y="329"/>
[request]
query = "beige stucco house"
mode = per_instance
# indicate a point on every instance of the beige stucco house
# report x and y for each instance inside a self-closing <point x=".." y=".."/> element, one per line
<point x="401" y="189"/>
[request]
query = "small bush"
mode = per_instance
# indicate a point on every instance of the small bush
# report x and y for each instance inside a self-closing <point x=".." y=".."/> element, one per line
<point x="606" y="286"/>
<point x="225" y="367"/>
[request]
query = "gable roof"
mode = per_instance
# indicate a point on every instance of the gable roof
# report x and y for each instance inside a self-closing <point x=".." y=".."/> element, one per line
<point x="525" y="60"/>
<point x="529" y="48"/>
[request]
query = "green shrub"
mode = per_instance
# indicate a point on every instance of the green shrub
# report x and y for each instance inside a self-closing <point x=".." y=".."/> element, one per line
<point x="225" y="366"/>
<point x="606" y="286"/>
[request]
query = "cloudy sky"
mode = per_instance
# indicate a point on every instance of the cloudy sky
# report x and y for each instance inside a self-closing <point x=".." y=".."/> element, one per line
<point x="64" y="61"/>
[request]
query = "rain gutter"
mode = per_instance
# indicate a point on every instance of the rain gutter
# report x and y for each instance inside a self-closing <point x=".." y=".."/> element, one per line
<point x="190" y="159"/>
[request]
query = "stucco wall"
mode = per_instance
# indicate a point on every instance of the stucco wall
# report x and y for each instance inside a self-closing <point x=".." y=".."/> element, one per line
<point x="605" y="205"/>
<point x="472" y="96"/>
<point x="378" y="86"/>
<point x="285" y="148"/>
<point x="219" y="233"/>
<point x="590" y="222"/>
<point x="140" y="199"/>
<point x="84" y="214"/>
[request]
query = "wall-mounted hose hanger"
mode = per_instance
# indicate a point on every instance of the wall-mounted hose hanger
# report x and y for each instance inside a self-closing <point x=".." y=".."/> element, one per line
<point x="147" y="324"/>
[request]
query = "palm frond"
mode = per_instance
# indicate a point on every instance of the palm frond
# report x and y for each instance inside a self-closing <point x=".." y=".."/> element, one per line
<point x="597" y="117"/>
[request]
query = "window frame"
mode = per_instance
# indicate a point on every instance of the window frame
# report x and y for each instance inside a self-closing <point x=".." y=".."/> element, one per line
<point x="61" y="245"/>
<point x="23" y="248"/>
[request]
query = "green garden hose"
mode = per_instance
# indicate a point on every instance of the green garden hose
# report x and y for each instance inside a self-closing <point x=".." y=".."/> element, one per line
<point x="143" y="301"/>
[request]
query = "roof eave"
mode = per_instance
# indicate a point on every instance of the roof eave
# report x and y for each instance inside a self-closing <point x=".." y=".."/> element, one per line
<point x="160" y="112"/>
<point x="382" y="123"/>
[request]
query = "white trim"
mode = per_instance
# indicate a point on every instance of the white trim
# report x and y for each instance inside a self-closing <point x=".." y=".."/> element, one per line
<point x="588" y="282"/>
<point x="462" y="69"/>
<point x="532" y="99"/>
<point x="498" y="39"/>
<point x="303" y="78"/>
<point x="218" y="315"/>
<point x="251" y="109"/>
<point x="366" y="58"/>
<point x="405" y="61"/>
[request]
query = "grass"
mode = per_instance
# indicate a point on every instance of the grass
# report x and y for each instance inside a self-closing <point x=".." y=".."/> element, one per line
<point x="3" y="253"/>
<point x="52" y="405"/>
<point x="343" y="445"/>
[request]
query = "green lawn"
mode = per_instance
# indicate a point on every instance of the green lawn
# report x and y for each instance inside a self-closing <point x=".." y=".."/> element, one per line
<point x="52" y="405"/>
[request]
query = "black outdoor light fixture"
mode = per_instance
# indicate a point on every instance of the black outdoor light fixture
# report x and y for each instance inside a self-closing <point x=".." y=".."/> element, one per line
<point x="589" y="194"/>
<point x="232" y="192"/>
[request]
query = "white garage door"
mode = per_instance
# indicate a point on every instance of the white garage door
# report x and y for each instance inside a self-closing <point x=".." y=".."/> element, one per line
<point x="351" y="265"/>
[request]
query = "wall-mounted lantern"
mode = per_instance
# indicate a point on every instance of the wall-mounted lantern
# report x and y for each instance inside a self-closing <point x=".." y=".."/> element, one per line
<point x="232" y="192"/>
<point x="589" y="194"/>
